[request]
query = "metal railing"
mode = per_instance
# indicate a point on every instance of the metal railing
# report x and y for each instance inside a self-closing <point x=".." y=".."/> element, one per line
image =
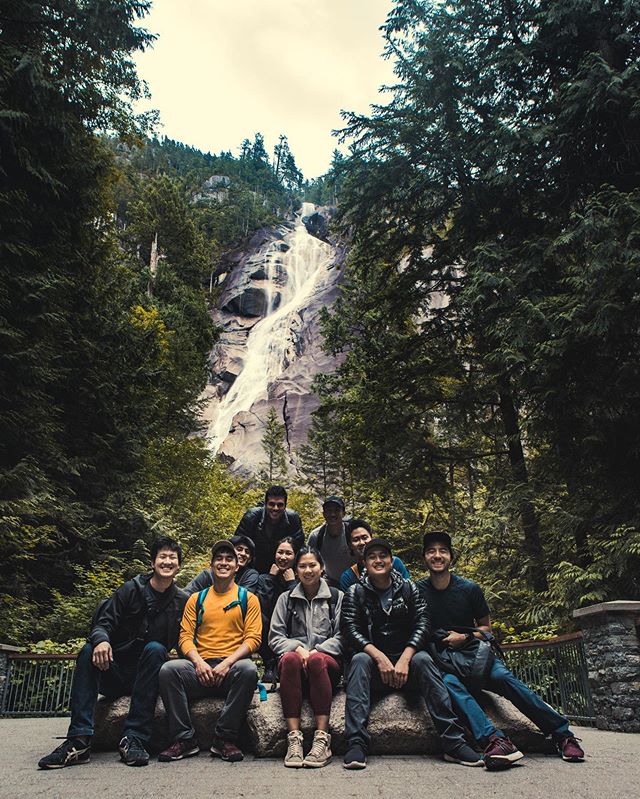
<point x="556" y="670"/>
<point x="38" y="685"/>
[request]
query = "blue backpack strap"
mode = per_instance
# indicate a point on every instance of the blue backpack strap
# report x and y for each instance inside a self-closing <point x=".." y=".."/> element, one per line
<point x="199" y="612"/>
<point x="242" y="600"/>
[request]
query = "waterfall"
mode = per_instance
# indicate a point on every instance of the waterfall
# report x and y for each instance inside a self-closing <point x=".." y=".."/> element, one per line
<point x="289" y="284"/>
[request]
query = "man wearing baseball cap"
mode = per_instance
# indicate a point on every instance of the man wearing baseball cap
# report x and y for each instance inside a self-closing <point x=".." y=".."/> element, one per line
<point x="386" y="624"/>
<point x="455" y="603"/>
<point x="330" y="539"/>
<point x="221" y="628"/>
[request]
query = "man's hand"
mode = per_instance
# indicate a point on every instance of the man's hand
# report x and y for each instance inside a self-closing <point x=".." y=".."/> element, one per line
<point x="102" y="656"/>
<point x="386" y="669"/>
<point x="220" y="672"/>
<point x="401" y="672"/>
<point x="304" y="656"/>
<point x="455" y="640"/>
<point x="204" y="672"/>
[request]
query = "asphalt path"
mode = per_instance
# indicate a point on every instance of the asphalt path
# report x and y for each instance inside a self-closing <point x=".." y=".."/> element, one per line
<point x="611" y="771"/>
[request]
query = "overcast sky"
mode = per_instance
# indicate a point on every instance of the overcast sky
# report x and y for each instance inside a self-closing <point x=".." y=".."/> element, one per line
<point x="221" y="70"/>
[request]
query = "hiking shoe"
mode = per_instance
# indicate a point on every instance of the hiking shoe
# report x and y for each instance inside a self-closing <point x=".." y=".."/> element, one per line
<point x="320" y="752"/>
<point x="184" y="747"/>
<point x="71" y="752"/>
<point x="226" y="750"/>
<point x="501" y="753"/>
<point x="464" y="755"/>
<point x="355" y="758"/>
<point x="295" y="755"/>
<point x="133" y="752"/>
<point x="570" y="750"/>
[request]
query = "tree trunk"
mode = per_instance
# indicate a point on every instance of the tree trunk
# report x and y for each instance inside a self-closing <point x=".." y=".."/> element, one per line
<point x="528" y="516"/>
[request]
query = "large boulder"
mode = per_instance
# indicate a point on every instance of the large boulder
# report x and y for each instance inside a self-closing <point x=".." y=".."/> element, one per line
<point x="253" y="301"/>
<point x="399" y="725"/>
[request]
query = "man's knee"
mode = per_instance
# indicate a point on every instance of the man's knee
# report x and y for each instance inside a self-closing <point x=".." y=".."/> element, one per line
<point x="361" y="666"/>
<point x="245" y="671"/>
<point x="423" y="663"/>
<point x="171" y="672"/>
<point x="154" y="651"/>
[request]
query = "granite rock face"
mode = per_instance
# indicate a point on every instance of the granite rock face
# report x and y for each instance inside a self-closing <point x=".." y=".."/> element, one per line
<point x="398" y="725"/>
<point x="283" y="273"/>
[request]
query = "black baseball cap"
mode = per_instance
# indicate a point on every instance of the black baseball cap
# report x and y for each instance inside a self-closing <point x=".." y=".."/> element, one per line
<point x="437" y="536"/>
<point x="219" y="546"/>
<point x="378" y="543"/>
<point x="334" y="501"/>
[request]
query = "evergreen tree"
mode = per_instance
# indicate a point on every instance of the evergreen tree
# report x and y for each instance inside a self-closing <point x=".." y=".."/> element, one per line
<point x="273" y="438"/>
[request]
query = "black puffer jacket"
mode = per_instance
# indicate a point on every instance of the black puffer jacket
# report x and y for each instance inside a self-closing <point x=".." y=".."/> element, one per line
<point x="266" y="537"/>
<point x="365" y="622"/>
<point x="125" y="622"/>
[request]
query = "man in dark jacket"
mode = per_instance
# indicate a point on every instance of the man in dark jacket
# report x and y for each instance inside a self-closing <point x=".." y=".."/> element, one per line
<point x="385" y="622"/>
<point x="268" y="524"/>
<point x="246" y="575"/>
<point x="131" y="634"/>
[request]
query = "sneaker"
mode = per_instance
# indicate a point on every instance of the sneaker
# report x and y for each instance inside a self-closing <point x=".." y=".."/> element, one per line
<point x="226" y="750"/>
<point x="133" y="752"/>
<point x="295" y="755"/>
<point x="501" y="753"/>
<point x="355" y="757"/>
<point x="464" y="755"/>
<point x="184" y="747"/>
<point x="570" y="750"/>
<point x="320" y="752"/>
<point x="71" y="752"/>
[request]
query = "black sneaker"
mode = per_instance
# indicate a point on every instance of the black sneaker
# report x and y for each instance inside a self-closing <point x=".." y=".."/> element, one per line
<point x="464" y="755"/>
<point x="355" y="757"/>
<point x="133" y="752"/>
<point x="70" y="753"/>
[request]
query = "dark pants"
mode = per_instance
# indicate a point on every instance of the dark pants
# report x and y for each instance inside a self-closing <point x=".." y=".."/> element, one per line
<point x="135" y="678"/>
<point x="179" y="684"/>
<point x="364" y="681"/>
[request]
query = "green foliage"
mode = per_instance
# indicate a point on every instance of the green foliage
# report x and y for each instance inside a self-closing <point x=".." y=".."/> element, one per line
<point x="275" y="469"/>
<point x="489" y="324"/>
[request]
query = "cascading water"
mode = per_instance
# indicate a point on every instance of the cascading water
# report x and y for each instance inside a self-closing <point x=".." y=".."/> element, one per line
<point x="290" y="281"/>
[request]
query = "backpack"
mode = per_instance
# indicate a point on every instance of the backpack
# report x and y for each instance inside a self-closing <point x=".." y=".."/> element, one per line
<point x="291" y="612"/>
<point x="242" y="600"/>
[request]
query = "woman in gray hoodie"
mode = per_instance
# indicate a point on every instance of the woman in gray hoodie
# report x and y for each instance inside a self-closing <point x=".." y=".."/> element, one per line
<point x="305" y="636"/>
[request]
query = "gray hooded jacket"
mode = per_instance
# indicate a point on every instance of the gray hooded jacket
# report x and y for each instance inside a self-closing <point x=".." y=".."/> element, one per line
<point x="311" y="623"/>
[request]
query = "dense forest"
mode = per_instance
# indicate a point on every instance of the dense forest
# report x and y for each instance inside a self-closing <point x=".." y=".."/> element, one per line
<point x="488" y="321"/>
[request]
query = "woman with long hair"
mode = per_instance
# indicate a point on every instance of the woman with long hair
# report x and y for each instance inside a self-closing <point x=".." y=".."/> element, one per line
<point x="305" y="636"/>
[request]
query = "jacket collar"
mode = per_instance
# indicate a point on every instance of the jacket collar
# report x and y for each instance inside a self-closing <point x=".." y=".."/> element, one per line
<point x="324" y="591"/>
<point x="396" y="581"/>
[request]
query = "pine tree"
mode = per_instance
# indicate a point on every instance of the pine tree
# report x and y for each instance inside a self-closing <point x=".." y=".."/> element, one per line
<point x="273" y="438"/>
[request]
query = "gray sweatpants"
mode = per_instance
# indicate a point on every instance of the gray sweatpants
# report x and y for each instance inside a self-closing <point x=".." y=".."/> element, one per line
<point x="179" y="684"/>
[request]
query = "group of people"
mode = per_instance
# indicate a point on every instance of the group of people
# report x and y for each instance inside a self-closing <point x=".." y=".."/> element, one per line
<point x="341" y="605"/>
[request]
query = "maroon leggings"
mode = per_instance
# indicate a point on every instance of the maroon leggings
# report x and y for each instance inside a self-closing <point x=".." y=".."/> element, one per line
<point x="323" y="672"/>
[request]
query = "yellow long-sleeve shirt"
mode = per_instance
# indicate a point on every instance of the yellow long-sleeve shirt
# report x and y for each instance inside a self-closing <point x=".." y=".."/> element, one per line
<point x="221" y="631"/>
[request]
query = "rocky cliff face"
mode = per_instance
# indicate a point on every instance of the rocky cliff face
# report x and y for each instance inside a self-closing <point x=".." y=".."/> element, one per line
<point x="270" y="347"/>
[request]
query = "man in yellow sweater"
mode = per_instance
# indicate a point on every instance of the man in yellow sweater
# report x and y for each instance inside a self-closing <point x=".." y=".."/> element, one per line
<point x="221" y="627"/>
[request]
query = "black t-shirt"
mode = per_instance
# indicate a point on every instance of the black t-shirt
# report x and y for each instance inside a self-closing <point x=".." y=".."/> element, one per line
<point x="460" y="604"/>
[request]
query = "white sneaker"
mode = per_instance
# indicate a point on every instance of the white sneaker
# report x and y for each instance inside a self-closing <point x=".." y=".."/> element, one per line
<point x="295" y="754"/>
<point x="320" y="752"/>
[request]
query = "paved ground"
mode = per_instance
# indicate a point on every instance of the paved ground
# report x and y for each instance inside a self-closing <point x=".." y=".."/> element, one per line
<point x="611" y="771"/>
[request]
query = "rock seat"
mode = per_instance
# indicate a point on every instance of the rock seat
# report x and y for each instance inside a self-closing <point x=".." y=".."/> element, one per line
<point x="398" y="726"/>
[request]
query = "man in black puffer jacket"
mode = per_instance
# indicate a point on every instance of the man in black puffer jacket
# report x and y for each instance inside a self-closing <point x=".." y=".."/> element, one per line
<point x="131" y="635"/>
<point x="386" y="624"/>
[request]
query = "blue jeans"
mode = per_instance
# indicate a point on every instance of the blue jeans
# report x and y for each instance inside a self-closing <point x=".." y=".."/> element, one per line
<point x="138" y="679"/>
<point x="501" y="681"/>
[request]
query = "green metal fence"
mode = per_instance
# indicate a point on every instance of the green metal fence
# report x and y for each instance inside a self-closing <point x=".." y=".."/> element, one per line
<point x="40" y="685"/>
<point x="557" y="670"/>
